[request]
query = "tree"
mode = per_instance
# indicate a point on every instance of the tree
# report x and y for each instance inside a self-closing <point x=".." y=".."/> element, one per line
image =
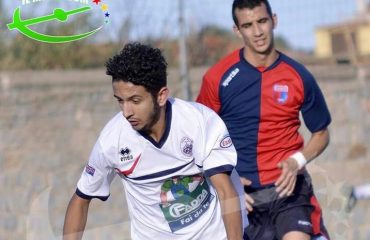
<point x="282" y="43"/>
<point x="210" y="44"/>
<point x="2" y="31"/>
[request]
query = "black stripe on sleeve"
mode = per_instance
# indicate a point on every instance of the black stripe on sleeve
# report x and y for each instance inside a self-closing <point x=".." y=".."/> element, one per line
<point x="221" y="169"/>
<point x="87" y="197"/>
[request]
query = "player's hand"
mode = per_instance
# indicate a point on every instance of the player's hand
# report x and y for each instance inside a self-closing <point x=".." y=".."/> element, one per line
<point x="286" y="182"/>
<point x="248" y="199"/>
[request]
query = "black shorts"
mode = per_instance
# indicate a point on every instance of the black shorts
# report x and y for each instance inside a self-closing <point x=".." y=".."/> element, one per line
<point x="272" y="217"/>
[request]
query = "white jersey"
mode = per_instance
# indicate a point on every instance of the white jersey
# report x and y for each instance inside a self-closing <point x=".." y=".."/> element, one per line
<point x="165" y="182"/>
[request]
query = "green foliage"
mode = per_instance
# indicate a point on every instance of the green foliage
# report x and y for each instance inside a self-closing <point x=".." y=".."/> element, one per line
<point x="204" y="48"/>
<point x="281" y="43"/>
<point x="209" y="45"/>
<point x="212" y="43"/>
<point x="2" y="31"/>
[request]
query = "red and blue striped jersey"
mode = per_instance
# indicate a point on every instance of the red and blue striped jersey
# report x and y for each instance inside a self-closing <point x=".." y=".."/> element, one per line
<point x="260" y="107"/>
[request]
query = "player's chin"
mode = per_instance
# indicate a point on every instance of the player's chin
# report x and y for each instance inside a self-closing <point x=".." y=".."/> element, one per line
<point x="137" y="127"/>
<point x="262" y="49"/>
<point x="141" y="128"/>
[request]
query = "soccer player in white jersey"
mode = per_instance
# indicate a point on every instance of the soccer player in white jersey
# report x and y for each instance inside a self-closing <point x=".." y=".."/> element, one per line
<point x="175" y="159"/>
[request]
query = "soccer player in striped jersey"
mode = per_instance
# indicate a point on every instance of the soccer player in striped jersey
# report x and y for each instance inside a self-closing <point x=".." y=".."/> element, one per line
<point x="259" y="92"/>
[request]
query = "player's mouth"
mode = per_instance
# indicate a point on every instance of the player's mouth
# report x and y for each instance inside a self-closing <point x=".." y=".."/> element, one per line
<point x="134" y="123"/>
<point x="260" y="42"/>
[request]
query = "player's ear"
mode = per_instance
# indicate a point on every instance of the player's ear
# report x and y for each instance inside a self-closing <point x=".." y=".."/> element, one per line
<point x="162" y="96"/>
<point x="236" y="31"/>
<point x="274" y="20"/>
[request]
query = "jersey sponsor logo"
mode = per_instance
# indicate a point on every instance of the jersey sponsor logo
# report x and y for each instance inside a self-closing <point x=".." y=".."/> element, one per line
<point x="131" y="169"/>
<point x="230" y="77"/>
<point x="89" y="170"/>
<point x="280" y="93"/>
<point x="186" y="146"/>
<point x="184" y="199"/>
<point x="226" y="142"/>
<point x="126" y="154"/>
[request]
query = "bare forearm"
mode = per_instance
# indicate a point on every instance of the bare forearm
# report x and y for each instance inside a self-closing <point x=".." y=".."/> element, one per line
<point x="230" y="206"/>
<point x="316" y="145"/>
<point x="75" y="219"/>
<point x="290" y="167"/>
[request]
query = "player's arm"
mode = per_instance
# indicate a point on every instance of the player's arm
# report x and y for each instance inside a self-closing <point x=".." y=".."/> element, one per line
<point x="317" y="118"/>
<point x="316" y="145"/>
<point x="230" y="205"/>
<point x="290" y="167"/>
<point x="75" y="219"/>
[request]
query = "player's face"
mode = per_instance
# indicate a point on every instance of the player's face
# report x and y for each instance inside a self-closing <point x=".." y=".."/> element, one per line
<point x="137" y="105"/>
<point x="255" y="27"/>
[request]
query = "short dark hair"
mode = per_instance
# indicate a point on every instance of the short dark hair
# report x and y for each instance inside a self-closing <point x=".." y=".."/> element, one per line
<point x="141" y="65"/>
<point x="250" y="4"/>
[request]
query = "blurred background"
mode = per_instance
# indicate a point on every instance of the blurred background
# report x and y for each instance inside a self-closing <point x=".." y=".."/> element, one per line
<point x="55" y="99"/>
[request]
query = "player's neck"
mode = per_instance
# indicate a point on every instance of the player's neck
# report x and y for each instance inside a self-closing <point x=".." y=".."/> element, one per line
<point x="159" y="127"/>
<point x="261" y="59"/>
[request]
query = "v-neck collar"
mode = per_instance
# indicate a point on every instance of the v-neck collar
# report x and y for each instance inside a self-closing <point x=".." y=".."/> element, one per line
<point x="259" y="69"/>
<point x="168" y="118"/>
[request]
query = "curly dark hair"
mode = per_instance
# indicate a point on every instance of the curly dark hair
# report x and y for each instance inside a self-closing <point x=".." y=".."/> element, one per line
<point x="250" y="4"/>
<point x="141" y="65"/>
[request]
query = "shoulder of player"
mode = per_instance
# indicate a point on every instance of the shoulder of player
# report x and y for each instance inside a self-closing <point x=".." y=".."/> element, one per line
<point x="218" y="69"/>
<point x="116" y="134"/>
<point x="298" y="67"/>
<point x="113" y="130"/>
<point x="193" y="110"/>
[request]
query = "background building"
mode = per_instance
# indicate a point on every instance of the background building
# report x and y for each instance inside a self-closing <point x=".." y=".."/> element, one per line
<point x="347" y="41"/>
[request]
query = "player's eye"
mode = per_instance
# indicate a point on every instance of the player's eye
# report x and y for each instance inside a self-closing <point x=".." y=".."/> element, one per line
<point x="247" y="25"/>
<point x="263" y="20"/>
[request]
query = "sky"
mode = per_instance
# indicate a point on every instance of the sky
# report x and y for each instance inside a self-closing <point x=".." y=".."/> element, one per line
<point x="297" y="19"/>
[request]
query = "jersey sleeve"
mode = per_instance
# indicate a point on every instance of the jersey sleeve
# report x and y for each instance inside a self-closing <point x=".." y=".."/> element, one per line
<point x="96" y="177"/>
<point x="314" y="109"/>
<point x="218" y="154"/>
<point x="208" y="94"/>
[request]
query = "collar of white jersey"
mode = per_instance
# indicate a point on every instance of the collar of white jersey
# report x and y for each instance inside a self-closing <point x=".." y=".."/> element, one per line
<point x="168" y="120"/>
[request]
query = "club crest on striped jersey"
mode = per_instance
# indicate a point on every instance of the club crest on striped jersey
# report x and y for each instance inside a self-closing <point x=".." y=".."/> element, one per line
<point x="186" y="146"/>
<point x="280" y="93"/>
<point x="126" y="154"/>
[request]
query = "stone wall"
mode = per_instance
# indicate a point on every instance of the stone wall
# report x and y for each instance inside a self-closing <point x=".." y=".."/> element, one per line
<point x="50" y="120"/>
